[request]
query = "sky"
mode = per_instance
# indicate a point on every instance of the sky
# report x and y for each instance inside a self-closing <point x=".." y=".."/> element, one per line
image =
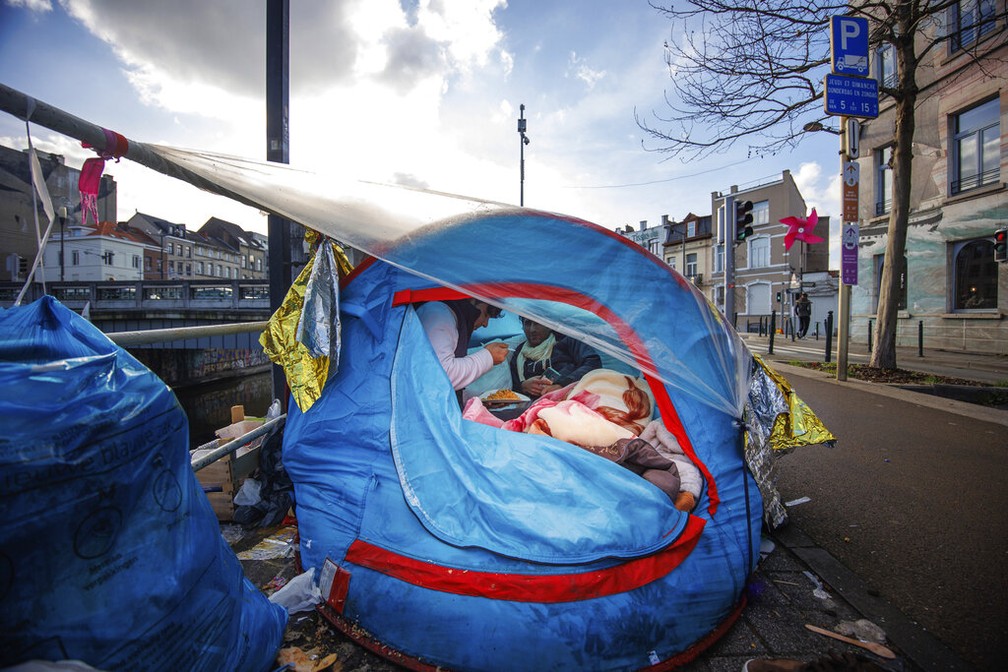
<point x="417" y="92"/>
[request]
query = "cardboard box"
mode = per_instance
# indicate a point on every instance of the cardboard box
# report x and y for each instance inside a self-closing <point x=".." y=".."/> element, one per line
<point x="224" y="477"/>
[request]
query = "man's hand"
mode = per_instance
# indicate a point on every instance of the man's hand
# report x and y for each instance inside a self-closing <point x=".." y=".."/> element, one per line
<point x="499" y="351"/>
<point x="538" y="386"/>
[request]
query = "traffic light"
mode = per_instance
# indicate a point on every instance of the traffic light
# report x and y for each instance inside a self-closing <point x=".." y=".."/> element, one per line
<point x="743" y="220"/>
<point x="1001" y="245"/>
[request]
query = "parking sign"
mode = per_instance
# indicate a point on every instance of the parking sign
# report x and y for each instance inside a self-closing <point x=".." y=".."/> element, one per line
<point x="849" y="45"/>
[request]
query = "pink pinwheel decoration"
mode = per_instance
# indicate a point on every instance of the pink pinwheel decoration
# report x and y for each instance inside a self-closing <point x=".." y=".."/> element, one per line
<point x="800" y="228"/>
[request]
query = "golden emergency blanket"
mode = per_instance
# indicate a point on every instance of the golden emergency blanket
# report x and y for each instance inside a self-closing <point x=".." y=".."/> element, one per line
<point x="306" y="375"/>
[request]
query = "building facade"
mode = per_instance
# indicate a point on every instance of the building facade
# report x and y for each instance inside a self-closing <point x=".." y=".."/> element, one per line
<point x="95" y="254"/>
<point x="19" y="205"/>
<point x="769" y="277"/>
<point x="249" y="249"/>
<point x="950" y="285"/>
<point x="688" y="248"/>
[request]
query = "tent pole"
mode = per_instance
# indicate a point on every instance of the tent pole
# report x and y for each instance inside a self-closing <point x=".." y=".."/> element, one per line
<point x="17" y="104"/>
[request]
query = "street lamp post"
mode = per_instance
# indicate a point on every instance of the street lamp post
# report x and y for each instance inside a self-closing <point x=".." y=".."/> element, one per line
<point x="521" y="147"/>
<point x="62" y="218"/>
<point x="843" y="330"/>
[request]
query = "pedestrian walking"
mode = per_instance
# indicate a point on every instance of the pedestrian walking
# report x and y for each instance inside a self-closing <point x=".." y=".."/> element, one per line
<point x="803" y="311"/>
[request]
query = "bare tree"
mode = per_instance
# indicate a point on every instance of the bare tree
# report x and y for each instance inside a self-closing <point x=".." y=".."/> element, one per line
<point x="752" y="70"/>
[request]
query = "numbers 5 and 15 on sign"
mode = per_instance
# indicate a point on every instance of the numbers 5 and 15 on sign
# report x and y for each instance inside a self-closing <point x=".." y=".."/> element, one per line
<point x="850" y="96"/>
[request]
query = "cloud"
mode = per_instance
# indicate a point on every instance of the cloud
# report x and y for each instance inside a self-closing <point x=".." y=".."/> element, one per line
<point x="32" y="5"/>
<point x="582" y="72"/>
<point x="821" y="190"/>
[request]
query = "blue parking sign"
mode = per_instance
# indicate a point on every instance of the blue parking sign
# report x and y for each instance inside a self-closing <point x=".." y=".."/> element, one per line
<point x="849" y="45"/>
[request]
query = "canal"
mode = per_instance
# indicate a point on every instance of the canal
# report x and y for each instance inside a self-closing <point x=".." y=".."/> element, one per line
<point x="208" y="405"/>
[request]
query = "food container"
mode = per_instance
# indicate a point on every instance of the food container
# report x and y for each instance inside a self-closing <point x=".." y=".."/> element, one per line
<point x="505" y="409"/>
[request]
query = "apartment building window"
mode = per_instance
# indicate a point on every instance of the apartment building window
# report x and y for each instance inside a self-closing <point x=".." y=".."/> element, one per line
<point x="975" y="275"/>
<point x="691" y="265"/>
<point x="885" y="65"/>
<point x="719" y="259"/>
<point x="199" y="268"/>
<point x="969" y="20"/>
<point x="883" y="179"/>
<point x="759" y="252"/>
<point x="761" y="213"/>
<point x="109" y="256"/>
<point x="690" y="229"/>
<point x="75" y="257"/>
<point x="136" y="261"/>
<point x="758" y="299"/>
<point x="188" y="270"/>
<point x="147" y="263"/>
<point x="171" y="248"/>
<point x="976" y="146"/>
<point x="879" y="264"/>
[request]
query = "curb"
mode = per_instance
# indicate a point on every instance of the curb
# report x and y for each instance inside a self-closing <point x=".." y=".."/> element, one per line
<point x="982" y="413"/>
<point x="923" y="649"/>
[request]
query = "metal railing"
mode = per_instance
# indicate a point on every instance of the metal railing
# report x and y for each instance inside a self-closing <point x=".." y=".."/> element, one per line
<point x="149" y="295"/>
<point x="218" y="451"/>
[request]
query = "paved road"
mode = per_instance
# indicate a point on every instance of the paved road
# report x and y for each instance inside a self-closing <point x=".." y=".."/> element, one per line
<point x="913" y="500"/>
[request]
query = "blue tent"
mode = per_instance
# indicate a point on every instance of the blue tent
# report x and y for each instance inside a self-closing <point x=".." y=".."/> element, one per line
<point x="448" y="543"/>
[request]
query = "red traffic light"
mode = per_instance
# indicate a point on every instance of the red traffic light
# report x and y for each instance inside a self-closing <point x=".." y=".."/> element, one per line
<point x="1001" y="245"/>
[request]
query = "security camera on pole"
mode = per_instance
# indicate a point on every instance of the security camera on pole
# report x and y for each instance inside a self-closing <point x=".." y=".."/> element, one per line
<point x="522" y="127"/>
<point x="849" y="92"/>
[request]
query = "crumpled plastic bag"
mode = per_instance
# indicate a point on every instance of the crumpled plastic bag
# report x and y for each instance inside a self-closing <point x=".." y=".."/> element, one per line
<point x="112" y="554"/>
<point x="299" y="594"/>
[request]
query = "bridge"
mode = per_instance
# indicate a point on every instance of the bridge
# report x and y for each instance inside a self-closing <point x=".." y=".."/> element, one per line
<point x="140" y="306"/>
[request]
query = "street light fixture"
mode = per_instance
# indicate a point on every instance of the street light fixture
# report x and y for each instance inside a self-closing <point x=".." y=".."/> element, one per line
<point x="524" y="141"/>
<point x="815" y="126"/>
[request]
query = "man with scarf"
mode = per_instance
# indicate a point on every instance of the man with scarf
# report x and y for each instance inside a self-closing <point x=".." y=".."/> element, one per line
<point x="543" y="350"/>
<point x="449" y="326"/>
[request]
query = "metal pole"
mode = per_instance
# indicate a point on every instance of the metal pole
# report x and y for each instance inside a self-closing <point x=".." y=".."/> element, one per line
<point x="773" y="330"/>
<point x="920" y="338"/>
<point x="62" y="218"/>
<point x="522" y="141"/>
<point x="829" y="334"/>
<point x="844" y="331"/>
<point x="278" y="150"/>
<point x="729" y="262"/>
<point x="128" y="339"/>
<point x="842" y="334"/>
<point x="235" y="444"/>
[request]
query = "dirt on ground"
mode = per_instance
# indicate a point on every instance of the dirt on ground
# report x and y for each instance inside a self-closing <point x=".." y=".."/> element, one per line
<point x="963" y="389"/>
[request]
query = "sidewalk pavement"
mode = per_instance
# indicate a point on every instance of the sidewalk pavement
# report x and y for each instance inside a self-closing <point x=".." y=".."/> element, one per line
<point x="984" y="368"/>
<point x="796" y="582"/>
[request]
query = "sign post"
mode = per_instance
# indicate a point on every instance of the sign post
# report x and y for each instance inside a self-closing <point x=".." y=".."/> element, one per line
<point x="847" y="93"/>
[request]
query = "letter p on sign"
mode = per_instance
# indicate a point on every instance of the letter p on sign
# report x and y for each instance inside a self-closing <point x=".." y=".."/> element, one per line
<point x="849" y="45"/>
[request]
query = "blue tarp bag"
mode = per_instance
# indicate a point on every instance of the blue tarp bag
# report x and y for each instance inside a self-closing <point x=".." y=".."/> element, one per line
<point x="109" y="551"/>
